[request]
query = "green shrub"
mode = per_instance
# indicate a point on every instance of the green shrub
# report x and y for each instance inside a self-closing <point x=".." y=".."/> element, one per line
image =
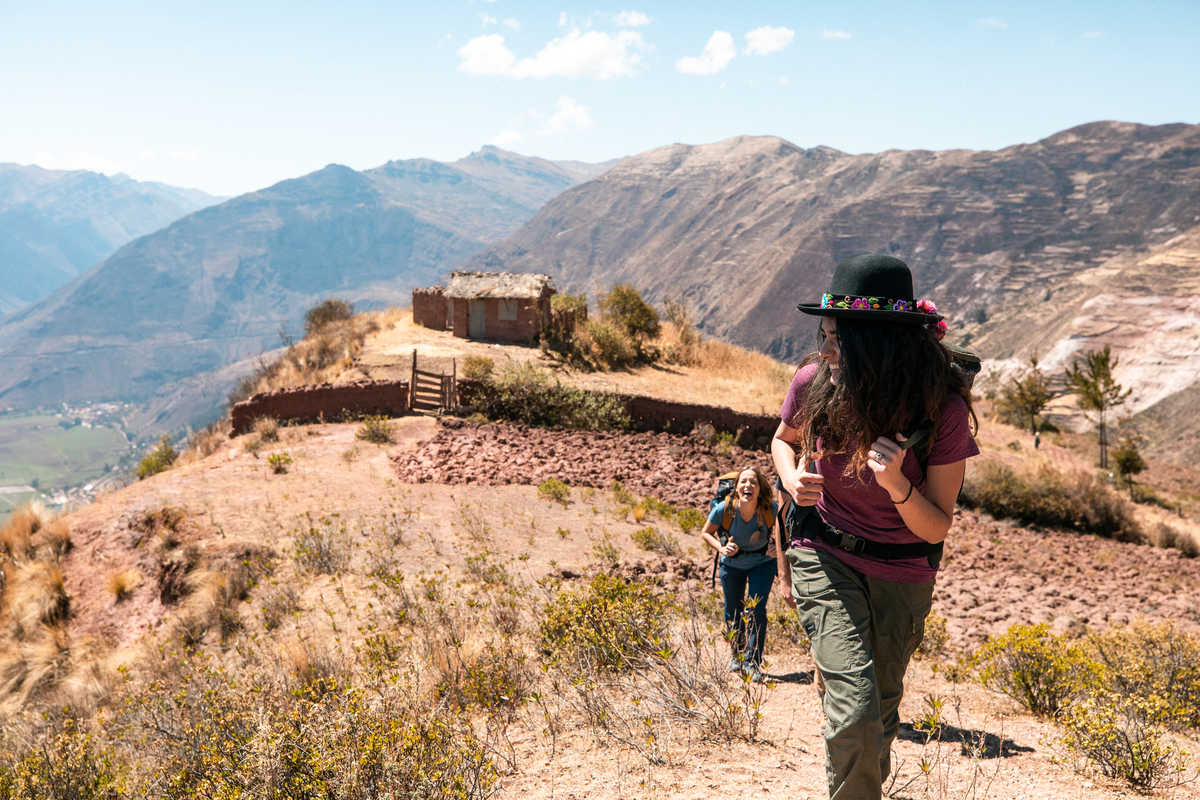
<point x="1120" y="734"/>
<point x="279" y="462"/>
<point x="332" y="310"/>
<point x="478" y="368"/>
<point x="554" y="490"/>
<point x="691" y="519"/>
<point x="1030" y="664"/>
<point x="1154" y="662"/>
<point x="936" y="636"/>
<point x="375" y="429"/>
<point x="67" y="767"/>
<point x="160" y="459"/>
<point x="1051" y="498"/>
<point x="609" y="625"/>
<point x="606" y="344"/>
<point x="625" y="306"/>
<point x="525" y="393"/>
<point x="649" y="538"/>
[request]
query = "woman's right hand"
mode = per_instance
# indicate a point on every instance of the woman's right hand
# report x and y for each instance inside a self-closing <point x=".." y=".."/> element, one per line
<point x="804" y="487"/>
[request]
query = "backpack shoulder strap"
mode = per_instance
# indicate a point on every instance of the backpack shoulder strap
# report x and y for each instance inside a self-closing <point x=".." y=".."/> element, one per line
<point x="727" y="514"/>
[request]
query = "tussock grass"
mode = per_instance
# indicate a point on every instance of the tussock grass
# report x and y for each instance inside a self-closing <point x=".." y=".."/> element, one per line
<point x="122" y="583"/>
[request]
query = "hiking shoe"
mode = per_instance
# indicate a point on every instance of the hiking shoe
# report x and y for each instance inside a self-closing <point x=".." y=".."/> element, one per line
<point x="755" y="674"/>
<point x="735" y="664"/>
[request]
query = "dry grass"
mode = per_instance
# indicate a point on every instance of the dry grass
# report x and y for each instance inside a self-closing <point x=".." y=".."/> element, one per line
<point x="122" y="583"/>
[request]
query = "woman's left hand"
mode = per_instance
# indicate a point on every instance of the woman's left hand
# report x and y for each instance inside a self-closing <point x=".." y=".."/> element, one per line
<point x="884" y="459"/>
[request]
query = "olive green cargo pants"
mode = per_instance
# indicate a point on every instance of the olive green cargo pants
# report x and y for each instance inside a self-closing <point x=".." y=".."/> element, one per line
<point x="863" y="632"/>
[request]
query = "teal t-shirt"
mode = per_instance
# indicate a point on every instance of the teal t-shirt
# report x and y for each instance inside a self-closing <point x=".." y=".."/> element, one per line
<point x="748" y="535"/>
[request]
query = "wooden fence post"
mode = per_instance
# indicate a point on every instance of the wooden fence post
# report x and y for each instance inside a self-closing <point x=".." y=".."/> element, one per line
<point x="412" y="383"/>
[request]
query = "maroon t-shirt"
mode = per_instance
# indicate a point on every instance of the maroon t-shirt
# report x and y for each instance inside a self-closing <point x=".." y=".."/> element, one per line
<point x="860" y="506"/>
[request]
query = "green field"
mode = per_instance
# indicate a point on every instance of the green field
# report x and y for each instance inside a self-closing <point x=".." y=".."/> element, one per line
<point x="36" y="447"/>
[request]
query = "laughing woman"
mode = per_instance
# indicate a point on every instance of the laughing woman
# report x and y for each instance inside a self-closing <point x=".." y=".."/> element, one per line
<point x="861" y="565"/>
<point x="746" y="517"/>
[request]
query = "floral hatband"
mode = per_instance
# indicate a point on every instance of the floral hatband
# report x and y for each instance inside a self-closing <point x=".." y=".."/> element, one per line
<point x="859" y="303"/>
<point x="863" y="303"/>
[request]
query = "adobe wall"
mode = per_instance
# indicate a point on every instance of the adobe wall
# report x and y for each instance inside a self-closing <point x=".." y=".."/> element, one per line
<point x="531" y="316"/>
<point x="429" y="308"/>
<point x="327" y="401"/>
<point x="653" y="414"/>
<point x="390" y="398"/>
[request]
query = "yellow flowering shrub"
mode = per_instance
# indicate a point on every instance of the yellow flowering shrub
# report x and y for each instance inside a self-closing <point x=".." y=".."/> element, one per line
<point x="1030" y="664"/>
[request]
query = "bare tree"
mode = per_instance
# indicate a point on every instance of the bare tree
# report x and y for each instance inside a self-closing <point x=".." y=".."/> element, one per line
<point x="1092" y="379"/>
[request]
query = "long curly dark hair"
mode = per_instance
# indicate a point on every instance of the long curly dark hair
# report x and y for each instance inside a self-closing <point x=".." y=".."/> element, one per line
<point x="894" y="378"/>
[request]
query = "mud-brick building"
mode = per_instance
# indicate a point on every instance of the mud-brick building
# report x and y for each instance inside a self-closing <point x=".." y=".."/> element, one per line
<point x="500" y="306"/>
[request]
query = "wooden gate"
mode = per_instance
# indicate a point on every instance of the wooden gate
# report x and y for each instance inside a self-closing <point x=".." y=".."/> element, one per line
<point x="432" y="392"/>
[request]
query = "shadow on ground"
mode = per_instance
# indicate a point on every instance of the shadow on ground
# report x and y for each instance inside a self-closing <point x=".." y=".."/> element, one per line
<point x="973" y="743"/>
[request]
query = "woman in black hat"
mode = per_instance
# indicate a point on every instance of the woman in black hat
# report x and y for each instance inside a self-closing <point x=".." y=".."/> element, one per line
<point x="872" y="449"/>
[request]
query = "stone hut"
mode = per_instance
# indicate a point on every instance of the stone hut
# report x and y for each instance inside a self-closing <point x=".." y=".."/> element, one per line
<point x="501" y="306"/>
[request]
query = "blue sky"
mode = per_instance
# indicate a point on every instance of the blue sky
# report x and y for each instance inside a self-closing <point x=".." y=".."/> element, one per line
<point x="229" y="97"/>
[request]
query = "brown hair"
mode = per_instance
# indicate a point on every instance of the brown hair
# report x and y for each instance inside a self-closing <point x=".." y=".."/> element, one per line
<point x="765" y="498"/>
<point x="894" y="378"/>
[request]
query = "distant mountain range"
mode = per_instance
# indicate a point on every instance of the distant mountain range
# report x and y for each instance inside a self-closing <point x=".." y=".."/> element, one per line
<point x="56" y="224"/>
<point x="217" y="286"/>
<point x="1088" y="237"/>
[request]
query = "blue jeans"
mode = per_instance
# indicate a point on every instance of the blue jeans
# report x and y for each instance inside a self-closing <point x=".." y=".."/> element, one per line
<point x="734" y="583"/>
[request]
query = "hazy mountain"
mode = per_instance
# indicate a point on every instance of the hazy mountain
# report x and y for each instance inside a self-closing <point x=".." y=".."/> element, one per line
<point x="56" y="224"/>
<point x="1087" y="237"/>
<point x="217" y="286"/>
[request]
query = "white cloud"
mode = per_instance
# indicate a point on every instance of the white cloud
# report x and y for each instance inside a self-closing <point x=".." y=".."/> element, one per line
<point x="506" y="138"/>
<point x="185" y="155"/>
<point x="512" y="23"/>
<point x="1093" y="34"/>
<point x="765" y="40"/>
<point x="829" y="33"/>
<point x="575" y="55"/>
<point x="562" y="19"/>
<point x="717" y="54"/>
<point x="992" y="23"/>
<point x="486" y="55"/>
<point x="631" y="19"/>
<point x="486" y="19"/>
<point x="568" y="116"/>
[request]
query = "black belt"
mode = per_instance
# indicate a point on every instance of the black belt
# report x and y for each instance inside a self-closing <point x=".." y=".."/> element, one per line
<point x="816" y="528"/>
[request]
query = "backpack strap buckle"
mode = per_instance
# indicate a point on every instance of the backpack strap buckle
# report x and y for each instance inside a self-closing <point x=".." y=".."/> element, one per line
<point x="851" y="543"/>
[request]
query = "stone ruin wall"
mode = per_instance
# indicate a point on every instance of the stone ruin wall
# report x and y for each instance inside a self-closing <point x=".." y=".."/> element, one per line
<point x="390" y="398"/>
<point x="330" y="402"/>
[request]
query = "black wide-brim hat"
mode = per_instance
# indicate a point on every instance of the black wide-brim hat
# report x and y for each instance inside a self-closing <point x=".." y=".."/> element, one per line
<point x="872" y="287"/>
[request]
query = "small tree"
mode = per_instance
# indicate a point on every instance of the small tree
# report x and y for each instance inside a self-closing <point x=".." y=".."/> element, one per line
<point x="624" y="304"/>
<point x="1024" y="397"/>
<point x="1092" y="379"/>
<point x="159" y="459"/>
<point x="332" y="310"/>
<point x="1128" y="460"/>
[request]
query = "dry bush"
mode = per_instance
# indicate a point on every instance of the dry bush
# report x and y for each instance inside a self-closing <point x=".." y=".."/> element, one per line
<point x="32" y="532"/>
<point x="554" y="490"/>
<point x="31" y="665"/>
<point x="322" y="547"/>
<point x="1051" y="498"/>
<point x="1122" y="736"/>
<point x="122" y="583"/>
<point x="267" y="429"/>
<point x="278" y="603"/>
<point x="34" y="596"/>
